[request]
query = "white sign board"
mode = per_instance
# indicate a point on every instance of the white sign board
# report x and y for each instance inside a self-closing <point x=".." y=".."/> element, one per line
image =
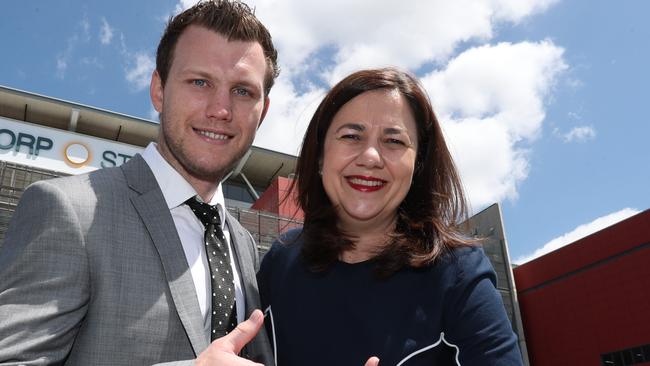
<point x="57" y="150"/>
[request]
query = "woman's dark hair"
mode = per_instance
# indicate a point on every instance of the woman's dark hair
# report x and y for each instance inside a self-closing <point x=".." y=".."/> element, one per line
<point x="427" y="222"/>
<point x="230" y="18"/>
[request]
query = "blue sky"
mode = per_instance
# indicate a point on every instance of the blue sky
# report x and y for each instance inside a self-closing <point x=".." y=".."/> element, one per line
<point x="542" y="101"/>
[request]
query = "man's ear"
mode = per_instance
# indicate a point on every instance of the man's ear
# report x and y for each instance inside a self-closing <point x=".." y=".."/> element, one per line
<point x="156" y="91"/>
<point x="267" y="102"/>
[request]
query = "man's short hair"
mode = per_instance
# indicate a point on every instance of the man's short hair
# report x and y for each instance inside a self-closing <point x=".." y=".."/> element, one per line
<point x="232" y="19"/>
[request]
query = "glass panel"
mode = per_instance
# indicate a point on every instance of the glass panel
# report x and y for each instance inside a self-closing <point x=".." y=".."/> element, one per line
<point x="627" y="357"/>
<point x="618" y="358"/>
<point x="646" y="352"/>
<point x="637" y="355"/>
<point x="607" y="360"/>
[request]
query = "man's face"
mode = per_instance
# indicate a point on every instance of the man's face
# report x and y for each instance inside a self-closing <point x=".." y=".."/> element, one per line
<point x="211" y="104"/>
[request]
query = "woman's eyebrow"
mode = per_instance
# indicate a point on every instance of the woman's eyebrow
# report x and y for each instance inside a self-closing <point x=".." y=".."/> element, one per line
<point x="394" y="130"/>
<point x="352" y="126"/>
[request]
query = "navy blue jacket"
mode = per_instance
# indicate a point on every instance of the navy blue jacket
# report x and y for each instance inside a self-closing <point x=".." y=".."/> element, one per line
<point x="449" y="313"/>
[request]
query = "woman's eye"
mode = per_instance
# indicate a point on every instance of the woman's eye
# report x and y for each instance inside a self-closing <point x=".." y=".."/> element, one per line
<point x="396" y="141"/>
<point x="350" y="137"/>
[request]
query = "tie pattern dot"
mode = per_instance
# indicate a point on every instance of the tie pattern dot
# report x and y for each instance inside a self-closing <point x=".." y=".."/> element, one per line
<point x="224" y="309"/>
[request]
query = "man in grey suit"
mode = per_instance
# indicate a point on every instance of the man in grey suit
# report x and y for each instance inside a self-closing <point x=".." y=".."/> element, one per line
<point x="109" y="268"/>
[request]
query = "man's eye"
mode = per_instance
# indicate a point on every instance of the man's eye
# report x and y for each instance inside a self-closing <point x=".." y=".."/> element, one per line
<point x="241" y="92"/>
<point x="199" y="82"/>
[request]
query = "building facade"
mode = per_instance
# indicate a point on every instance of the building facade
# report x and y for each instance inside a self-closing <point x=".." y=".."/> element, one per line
<point x="588" y="303"/>
<point x="487" y="226"/>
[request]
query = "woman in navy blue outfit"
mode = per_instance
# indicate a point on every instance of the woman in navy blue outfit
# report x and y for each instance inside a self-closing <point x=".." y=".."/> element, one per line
<point x="380" y="268"/>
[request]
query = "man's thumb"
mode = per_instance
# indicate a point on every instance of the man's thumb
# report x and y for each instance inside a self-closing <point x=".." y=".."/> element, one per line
<point x="244" y="333"/>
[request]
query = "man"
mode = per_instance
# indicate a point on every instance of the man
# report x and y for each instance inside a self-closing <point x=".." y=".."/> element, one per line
<point x="109" y="268"/>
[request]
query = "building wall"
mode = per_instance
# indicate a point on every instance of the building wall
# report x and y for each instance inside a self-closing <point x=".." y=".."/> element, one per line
<point x="488" y="226"/>
<point x="14" y="178"/>
<point x="275" y="200"/>
<point x="588" y="303"/>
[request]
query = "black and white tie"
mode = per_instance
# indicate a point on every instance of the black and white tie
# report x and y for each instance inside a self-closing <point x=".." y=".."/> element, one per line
<point x="224" y="309"/>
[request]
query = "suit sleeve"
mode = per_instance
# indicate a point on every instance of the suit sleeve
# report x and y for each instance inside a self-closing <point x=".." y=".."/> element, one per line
<point x="476" y="321"/>
<point x="44" y="279"/>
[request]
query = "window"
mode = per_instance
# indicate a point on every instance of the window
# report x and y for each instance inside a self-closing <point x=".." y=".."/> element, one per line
<point x="629" y="356"/>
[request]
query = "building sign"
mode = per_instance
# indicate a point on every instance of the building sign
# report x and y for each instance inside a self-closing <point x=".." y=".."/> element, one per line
<point x="57" y="150"/>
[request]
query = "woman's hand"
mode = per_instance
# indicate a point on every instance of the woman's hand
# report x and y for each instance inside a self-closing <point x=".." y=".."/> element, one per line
<point x="372" y="361"/>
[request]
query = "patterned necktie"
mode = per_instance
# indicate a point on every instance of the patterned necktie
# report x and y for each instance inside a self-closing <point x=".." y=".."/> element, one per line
<point x="224" y="310"/>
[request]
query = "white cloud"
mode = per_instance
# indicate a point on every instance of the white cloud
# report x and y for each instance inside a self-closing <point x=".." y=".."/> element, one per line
<point x="61" y="66"/>
<point x="368" y="33"/>
<point x="106" y="32"/>
<point x="579" y="233"/>
<point x="138" y="65"/>
<point x="91" y="61"/>
<point x="580" y="134"/>
<point x="184" y="4"/>
<point x="576" y="116"/>
<point x="139" y="73"/>
<point x="63" y="57"/>
<point x="85" y="28"/>
<point x="122" y="46"/>
<point x="490" y="165"/>
<point x="490" y="100"/>
<point x="289" y="113"/>
<point x="516" y="10"/>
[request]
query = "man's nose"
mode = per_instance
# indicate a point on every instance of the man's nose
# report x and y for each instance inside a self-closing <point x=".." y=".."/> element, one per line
<point x="219" y="105"/>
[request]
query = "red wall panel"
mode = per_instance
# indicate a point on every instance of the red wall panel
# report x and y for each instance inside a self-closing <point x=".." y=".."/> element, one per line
<point x="589" y="298"/>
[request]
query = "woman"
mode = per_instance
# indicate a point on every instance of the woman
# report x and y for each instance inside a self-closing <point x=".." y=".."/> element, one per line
<point x="380" y="267"/>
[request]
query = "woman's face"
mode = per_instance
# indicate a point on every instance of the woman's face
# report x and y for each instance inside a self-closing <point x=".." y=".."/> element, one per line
<point x="369" y="157"/>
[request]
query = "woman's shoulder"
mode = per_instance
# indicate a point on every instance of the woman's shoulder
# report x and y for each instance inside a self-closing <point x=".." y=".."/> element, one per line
<point x="286" y="245"/>
<point x="465" y="263"/>
<point x="465" y="255"/>
<point x="290" y="240"/>
<point x="290" y="237"/>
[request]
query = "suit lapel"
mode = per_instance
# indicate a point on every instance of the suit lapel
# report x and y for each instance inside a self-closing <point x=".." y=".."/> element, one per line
<point x="150" y="205"/>
<point x="259" y="349"/>
<point x="243" y="258"/>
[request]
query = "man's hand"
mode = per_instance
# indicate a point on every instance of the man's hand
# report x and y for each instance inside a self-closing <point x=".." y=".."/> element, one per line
<point x="372" y="361"/>
<point x="224" y="351"/>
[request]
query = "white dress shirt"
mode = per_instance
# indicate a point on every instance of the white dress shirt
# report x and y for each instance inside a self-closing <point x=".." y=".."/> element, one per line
<point x="176" y="191"/>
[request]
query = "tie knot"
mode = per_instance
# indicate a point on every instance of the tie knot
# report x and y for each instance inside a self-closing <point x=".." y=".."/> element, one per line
<point x="206" y="213"/>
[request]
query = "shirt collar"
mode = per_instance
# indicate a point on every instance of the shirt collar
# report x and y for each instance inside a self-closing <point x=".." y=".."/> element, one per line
<point x="175" y="189"/>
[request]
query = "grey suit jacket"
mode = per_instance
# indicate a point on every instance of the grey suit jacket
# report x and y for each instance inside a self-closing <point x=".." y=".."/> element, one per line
<point x="92" y="272"/>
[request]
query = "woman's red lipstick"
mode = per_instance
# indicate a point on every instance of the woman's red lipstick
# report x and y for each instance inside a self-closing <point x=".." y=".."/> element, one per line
<point x="364" y="183"/>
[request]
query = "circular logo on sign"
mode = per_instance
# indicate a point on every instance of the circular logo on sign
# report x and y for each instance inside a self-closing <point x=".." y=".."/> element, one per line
<point x="76" y="154"/>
